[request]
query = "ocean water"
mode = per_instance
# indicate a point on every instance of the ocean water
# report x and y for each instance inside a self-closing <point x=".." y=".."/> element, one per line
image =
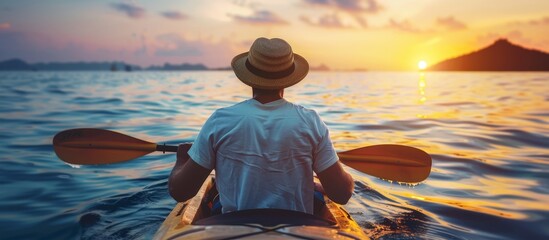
<point x="488" y="135"/>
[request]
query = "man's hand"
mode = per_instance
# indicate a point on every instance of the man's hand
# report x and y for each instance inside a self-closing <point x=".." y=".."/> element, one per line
<point x="319" y="188"/>
<point x="182" y="155"/>
<point x="337" y="183"/>
<point x="187" y="176"/>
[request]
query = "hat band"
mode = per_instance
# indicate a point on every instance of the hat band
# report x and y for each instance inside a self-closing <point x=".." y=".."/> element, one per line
<point x="270" y="75"/>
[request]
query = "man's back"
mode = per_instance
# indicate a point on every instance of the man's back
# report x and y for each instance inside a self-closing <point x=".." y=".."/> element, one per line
<point x="265" y="149"/>
<point x="264" y="154"/>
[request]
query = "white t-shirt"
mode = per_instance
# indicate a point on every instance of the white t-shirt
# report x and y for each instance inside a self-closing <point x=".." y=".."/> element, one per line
<point x="264" y="155"/>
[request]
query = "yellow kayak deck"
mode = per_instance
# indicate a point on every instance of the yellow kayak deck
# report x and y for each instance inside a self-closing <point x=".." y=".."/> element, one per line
<point x="192" y="220"/>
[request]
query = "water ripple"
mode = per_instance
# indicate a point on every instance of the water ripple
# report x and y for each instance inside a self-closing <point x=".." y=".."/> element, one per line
<point x="95" y="101"/>
<point x="406" y="125"/>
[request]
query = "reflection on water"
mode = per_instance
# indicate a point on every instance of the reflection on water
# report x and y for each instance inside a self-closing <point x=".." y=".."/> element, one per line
<point x="422" y="84"/>
<point x="488" y="135"/>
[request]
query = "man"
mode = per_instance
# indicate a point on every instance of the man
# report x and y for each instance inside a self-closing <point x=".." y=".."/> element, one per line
<point x="264" y="150"/>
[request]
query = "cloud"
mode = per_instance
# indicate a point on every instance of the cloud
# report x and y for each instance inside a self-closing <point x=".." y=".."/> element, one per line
<point x="352" y="6"/>
<point x="542" y="21"/>
<point x="245" y="3"/>
<point x="260" y="17"/>
<point x="5" y="26"/>
<point x="131" y="10"/>
<point x="361" y="21"/>
<point x="327" y="21"/>
<point x="451" y="23"/>
<point x="404" y="25"/>
<point x="175" y="48"/>
<point x="174" y="15"/>
<point x="538" y="22"/>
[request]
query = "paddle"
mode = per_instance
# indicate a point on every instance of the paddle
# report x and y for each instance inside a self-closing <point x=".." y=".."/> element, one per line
<point x="86" y="146"/>
<point x="389" y="161"/>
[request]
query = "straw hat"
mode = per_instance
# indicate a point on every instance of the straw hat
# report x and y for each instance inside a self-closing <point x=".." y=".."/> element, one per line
<point x="270" y="64"/>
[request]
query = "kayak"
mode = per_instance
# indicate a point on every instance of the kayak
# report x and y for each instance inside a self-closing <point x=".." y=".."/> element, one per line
<point x="193" y="220"/>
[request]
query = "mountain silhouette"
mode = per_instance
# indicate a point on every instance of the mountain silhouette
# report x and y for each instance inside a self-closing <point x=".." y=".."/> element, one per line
<point x="20" y="65"/>
<point x="15" y="65"/>
<point x="502" y="55"/>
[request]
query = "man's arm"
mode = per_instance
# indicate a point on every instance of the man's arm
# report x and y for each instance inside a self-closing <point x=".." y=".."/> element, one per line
<point x="187" y="176"/>
<point x="337" y="184"/>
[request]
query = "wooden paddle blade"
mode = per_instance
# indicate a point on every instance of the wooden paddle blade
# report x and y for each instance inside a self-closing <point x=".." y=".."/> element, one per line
<point x="98" y="146"/>
<point x="389" y="161"/>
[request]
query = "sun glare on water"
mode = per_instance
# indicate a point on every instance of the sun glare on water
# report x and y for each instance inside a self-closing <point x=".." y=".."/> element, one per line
<point x="422" y="65"/>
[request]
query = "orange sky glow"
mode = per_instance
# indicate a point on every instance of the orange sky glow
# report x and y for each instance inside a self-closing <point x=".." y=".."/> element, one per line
<point x="343" y="35"/>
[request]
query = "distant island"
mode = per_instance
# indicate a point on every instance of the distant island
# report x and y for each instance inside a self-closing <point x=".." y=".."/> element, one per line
<point x="321" y="67"/>
<point x="502" y="55"/>
<point x="20" y="65"/>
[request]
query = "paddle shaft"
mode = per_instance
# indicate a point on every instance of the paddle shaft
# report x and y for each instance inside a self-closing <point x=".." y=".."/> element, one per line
<point x="371" y="159"/>
<point x="166" y="148"/>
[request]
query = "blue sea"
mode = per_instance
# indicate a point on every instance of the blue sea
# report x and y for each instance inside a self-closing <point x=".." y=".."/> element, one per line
<point x="487" y="132"/>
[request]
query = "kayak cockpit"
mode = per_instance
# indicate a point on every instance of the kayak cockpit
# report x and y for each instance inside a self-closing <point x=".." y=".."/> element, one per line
<point x="266" y="217"/>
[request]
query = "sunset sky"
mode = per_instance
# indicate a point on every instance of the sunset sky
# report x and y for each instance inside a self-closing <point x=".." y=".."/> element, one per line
<point x="341" y="34"/>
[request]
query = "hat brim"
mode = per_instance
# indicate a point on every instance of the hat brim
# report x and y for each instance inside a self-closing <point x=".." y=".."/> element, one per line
<point x="247" y="77"/>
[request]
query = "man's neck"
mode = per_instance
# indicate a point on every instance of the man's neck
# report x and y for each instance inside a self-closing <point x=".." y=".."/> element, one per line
<point x="266" y="96"/>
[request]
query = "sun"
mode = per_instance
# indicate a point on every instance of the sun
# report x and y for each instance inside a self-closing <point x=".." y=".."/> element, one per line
<point x="422" y="65"/>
